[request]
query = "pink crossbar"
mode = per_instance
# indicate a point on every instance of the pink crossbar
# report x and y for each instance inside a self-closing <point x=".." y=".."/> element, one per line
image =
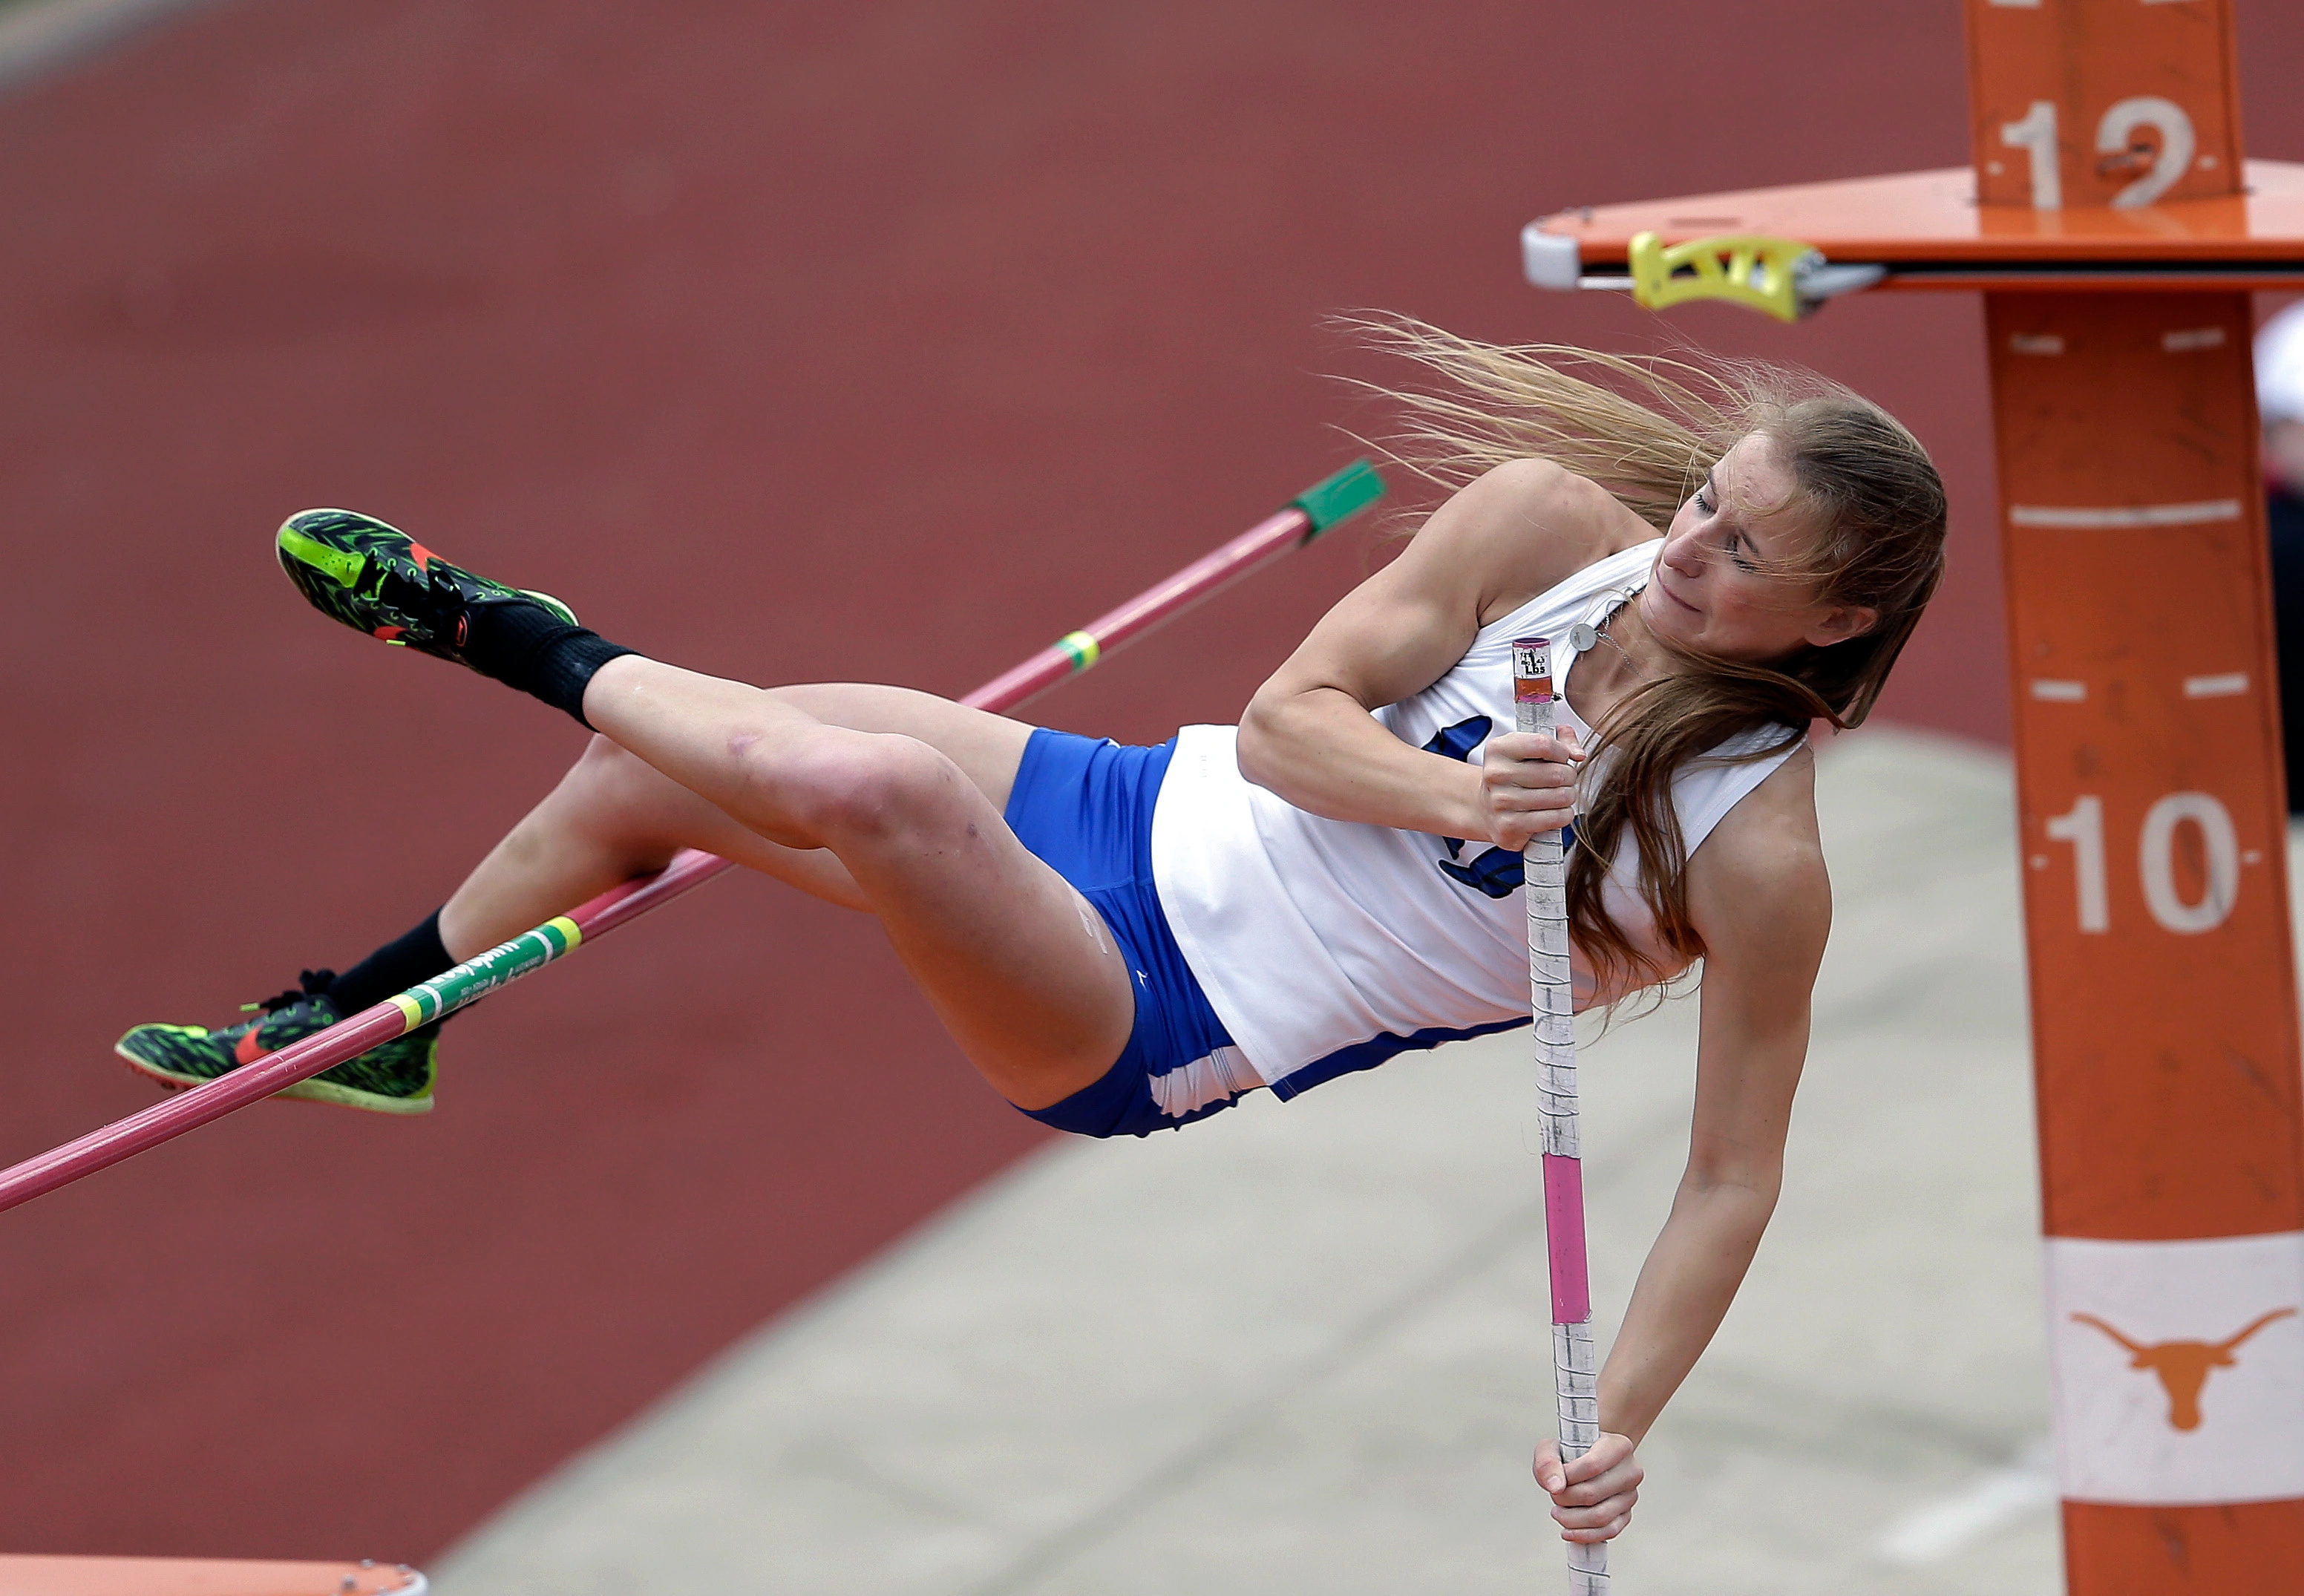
<point x="1202" y="579"/>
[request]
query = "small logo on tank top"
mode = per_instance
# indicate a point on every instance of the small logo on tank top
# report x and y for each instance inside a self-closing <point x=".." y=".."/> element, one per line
<point x="1495" y="871"/>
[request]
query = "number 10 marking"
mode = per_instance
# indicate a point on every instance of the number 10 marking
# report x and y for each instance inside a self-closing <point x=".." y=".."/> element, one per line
<point x="2083" y="826"/>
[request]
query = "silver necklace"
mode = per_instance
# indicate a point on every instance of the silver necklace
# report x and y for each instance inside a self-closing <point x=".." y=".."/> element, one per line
<point x="1583" y="636"/>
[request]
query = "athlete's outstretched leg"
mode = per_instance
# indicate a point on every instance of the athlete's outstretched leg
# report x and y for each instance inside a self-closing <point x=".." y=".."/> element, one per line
<point x="1021" y="971"/>
<point x="845" y="791"/>
<point x="612" y="818"/>
<point x="903" y="789"/>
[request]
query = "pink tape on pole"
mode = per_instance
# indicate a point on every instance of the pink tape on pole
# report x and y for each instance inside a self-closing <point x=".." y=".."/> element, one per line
<point x="1563" y="1238"/>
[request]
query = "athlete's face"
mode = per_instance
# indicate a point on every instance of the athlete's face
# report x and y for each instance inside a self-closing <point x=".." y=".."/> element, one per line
<point x="1723" y="584"/>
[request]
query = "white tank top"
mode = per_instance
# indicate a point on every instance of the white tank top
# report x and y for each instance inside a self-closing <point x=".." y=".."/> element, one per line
<point x="1328" y="946"/>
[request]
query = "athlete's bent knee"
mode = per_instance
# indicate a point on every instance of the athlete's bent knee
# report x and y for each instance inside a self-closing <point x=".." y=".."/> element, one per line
<point x="607" y="782"/>
<point x="863" y="787"/>
<point x="603" y="761"/>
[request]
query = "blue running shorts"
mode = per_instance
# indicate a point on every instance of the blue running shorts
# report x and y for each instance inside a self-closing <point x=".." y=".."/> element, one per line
<point x="1084" y="806"/>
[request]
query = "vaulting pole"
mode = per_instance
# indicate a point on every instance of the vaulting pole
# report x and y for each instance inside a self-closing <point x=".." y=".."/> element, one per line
<point x="1575" y="1361"/>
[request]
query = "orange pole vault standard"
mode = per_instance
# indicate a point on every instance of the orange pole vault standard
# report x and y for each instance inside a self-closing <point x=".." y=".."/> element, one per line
<point x="2115" y="230"/>
<point x="2154" y="819"/>
<point x="2163" y="1002"/>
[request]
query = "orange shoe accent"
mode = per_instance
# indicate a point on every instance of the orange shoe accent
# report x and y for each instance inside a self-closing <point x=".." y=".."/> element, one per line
<point x="422" y="556"/>
<point x="248" y="1050"/>
<point x="390" y="634"/>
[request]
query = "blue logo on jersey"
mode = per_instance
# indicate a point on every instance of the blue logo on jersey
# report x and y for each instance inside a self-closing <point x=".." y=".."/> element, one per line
<point x="1497" y="871"/>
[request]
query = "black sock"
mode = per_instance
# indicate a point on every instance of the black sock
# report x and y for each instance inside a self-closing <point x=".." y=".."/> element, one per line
<point x="396" y="966"/>
<point x="528" y="646"/>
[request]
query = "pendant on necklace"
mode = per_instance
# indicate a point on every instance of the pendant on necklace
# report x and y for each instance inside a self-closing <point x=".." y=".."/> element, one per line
<point x="1581" y="636"/>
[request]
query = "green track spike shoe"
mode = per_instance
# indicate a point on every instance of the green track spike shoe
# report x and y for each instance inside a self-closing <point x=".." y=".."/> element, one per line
<point x="378" y="579"/>
<point x="395" y="1078"/>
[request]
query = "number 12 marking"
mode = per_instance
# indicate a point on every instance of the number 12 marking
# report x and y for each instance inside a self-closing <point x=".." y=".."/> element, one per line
<point x="2035" y="133"/>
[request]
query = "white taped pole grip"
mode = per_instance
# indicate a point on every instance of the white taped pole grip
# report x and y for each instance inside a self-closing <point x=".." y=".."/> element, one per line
<point x="1576" y="1372"/>
<point x="1577" y="1387"/>
<point x="1577" y="1391"/>
<point x="1551" y="994"/>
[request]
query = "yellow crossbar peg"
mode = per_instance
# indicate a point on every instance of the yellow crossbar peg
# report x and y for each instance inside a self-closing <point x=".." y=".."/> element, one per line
<point x="1748" y="267"/>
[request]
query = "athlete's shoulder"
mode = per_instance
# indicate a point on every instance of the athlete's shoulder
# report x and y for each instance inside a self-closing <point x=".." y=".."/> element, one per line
<point x="1528" y="525"/>
<point x="1535" y="501"/>
<point x="1764" y="862"/>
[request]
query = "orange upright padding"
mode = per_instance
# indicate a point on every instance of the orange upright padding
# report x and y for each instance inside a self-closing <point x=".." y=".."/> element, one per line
<point x="2154" y="821"/>
<point x="201" y="1576"/>
<point x="2148" y="764"/>
<point x="2164" y="1006"/>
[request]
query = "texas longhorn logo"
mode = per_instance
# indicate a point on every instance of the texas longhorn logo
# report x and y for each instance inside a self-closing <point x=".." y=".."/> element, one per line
<point x="2183" y="1366"/>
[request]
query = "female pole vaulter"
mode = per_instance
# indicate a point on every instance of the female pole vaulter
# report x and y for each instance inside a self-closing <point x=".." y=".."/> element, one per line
<point x="1123" y="939"/>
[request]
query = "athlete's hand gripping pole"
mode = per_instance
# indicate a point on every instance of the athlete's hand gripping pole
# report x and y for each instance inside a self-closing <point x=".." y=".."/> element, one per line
<point x="1306" y="517"/>
<point x="1576" y="1370"/>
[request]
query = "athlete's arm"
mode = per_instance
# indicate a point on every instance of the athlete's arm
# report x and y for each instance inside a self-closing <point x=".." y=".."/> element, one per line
<point x="1307" y="734"/>
<point x="1759" y="898"/>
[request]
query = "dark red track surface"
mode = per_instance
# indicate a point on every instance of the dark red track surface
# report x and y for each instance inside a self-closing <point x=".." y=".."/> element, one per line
<point x="791" y="342"/>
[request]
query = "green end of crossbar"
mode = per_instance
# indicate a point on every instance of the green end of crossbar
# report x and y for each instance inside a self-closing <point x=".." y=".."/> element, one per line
<point x="1340" y="497"/>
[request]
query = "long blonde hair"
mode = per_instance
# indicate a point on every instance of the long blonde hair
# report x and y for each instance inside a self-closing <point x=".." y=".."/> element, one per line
<point x="1647" y="428"/>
